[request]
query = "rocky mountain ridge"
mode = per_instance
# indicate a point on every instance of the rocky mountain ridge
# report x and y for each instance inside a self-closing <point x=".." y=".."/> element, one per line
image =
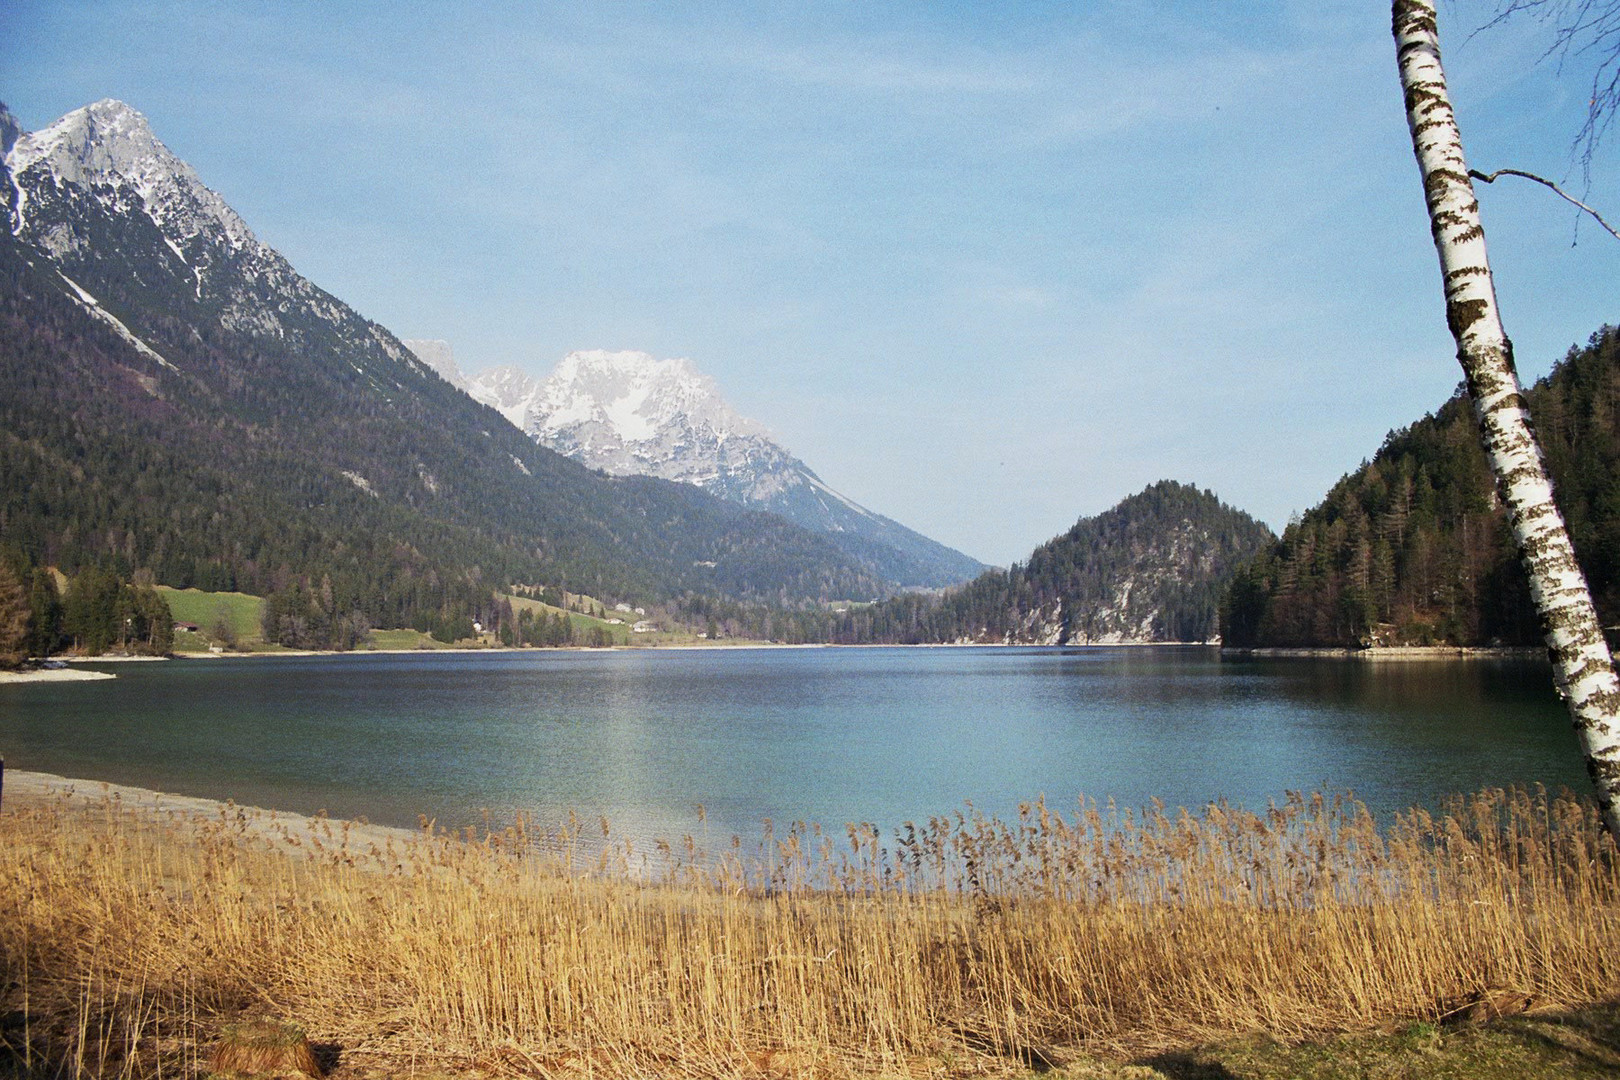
<point x="101" y="196"/>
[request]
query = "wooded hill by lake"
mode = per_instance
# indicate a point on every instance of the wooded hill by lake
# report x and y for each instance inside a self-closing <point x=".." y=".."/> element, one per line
<point x="1413" y="548"/>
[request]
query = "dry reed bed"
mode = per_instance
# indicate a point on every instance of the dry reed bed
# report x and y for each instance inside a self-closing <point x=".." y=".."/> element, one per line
<point x="968" y="944"/>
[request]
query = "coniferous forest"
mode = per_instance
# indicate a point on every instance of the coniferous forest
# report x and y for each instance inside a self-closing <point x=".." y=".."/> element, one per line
<point x="1413" y="547"/>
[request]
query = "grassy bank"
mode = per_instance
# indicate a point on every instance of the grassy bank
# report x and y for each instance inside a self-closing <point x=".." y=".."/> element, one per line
<point x="967" y="947"/>
<point x="237" y="613"/>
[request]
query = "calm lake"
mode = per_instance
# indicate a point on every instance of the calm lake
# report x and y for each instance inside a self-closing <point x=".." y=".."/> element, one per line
<point x="819" y="735"/>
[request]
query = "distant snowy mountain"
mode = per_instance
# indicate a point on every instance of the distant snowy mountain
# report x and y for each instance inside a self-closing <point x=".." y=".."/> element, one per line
<point x="632" y="414"/>
<point x="506" y="389"/>
<point x="628" y="413"/>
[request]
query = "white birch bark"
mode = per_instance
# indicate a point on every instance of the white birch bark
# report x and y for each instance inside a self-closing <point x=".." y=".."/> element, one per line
<point x="1581" y="662"/>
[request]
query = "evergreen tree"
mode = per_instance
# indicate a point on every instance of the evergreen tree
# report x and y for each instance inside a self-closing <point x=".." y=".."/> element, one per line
<point x="14" y="619"/>
<point x="45" y="614"/>
<point x="90" y="611"/>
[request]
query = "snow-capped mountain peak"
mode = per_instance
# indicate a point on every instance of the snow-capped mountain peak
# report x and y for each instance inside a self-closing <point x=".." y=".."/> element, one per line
<point x="629" y="413"/>
<point x="633" y="399"/>
<point x="100" y="172"/>
<point x="109" y="145"/>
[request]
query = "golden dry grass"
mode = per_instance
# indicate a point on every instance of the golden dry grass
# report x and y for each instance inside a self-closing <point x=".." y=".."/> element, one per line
<point x="262" y="1046"/>
<point x="965" y="947"/>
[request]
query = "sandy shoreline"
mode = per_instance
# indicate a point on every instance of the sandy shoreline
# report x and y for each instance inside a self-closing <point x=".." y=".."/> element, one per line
<point x="24" y="788"/>
<point x="54" y="675"/>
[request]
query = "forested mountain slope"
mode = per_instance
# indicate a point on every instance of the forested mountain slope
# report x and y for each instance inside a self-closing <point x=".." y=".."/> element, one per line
<point x="175" y="398"/>
<point x="1153" y="568"/>
<point x="1413" y="548"/>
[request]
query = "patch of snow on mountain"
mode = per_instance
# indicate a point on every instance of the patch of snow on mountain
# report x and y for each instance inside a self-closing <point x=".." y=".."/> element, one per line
<point x="93" y="306"/>
<point x="626" y="418"/>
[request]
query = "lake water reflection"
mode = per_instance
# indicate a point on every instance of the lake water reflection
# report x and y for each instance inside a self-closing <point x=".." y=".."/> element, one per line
<point x="822" y="735"/>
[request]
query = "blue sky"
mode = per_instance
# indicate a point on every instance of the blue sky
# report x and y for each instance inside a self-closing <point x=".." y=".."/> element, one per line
<point x="985" y="267"/>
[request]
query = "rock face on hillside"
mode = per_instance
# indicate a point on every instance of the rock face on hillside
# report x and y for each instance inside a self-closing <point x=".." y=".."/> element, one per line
<point x="633" y="414"/>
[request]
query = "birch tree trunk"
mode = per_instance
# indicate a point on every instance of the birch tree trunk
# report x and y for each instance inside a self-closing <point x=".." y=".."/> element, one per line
<point x="1580" y="656"/>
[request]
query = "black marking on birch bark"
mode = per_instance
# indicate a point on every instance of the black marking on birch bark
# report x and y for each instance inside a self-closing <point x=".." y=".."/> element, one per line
<point x="1531" y="512"/>
<point x="1561" y="655"/>
<point x="1409" y="17"/>
<point x="1557" y="559"/>
<point x="1534" y="551"/>
<point x="1503" y="401"/>
<point x="1602" y="705"/>
<point x="1440" y="177"/>
<point x="1517" y="474"/>
<point x="1564" y="619"/>
<point x="1604" y="773"/>
<point x="1461" y="314"/>
<point x="1419" y="95"/>
<point x="1584" y="669"/>
<point x="1550" y="558"/>
<point x="1512" y="447"/>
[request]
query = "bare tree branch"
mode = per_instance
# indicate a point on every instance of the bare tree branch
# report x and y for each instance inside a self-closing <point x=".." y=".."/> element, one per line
<point x="1491" y="179"/>
<point x="1588" y="30"/>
